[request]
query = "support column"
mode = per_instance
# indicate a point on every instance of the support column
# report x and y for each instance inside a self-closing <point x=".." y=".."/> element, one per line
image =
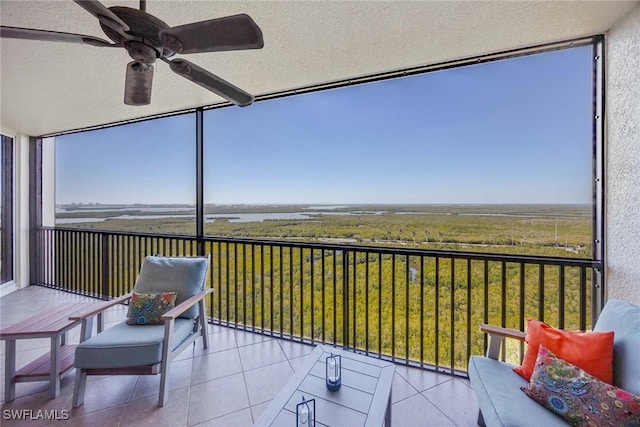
<point x="199" y="182"/>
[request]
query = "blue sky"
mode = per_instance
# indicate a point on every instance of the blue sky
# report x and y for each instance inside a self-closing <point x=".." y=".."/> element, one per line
<point x="511" y="131"/>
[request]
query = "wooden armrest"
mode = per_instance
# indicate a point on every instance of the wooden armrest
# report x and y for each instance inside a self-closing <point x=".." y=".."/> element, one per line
<point x="497" y="334"/>
<point x="182" y="307"/>
<point x="101" y="307"/>
<point x="502" y="332"/>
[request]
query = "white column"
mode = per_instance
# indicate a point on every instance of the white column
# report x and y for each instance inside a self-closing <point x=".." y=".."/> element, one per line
<point x="22" y="211"/>
<point x="49" y="182"/>
<point x="623" y="151"/>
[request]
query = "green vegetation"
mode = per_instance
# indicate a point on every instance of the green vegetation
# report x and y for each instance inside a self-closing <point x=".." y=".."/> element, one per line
<point x="294" y="291"/>
<point x="422" y="307"/>
<point x="546" y="230"/>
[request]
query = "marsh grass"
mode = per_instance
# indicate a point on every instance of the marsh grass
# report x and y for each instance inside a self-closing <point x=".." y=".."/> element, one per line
<point x="404" y="306"/>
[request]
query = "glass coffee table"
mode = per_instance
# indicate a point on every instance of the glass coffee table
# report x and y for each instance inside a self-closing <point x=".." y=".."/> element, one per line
<point x="364" y="399"/>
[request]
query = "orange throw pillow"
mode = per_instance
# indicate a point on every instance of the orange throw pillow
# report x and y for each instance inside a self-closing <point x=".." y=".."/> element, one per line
<point x="591" y="351"/>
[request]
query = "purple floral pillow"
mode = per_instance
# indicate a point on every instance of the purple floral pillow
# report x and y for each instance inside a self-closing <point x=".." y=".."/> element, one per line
<point x="578" y="397"/>
<point x="147" y="309"/>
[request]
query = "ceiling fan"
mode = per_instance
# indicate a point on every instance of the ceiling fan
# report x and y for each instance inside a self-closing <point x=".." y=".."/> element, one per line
<point x="147" y="39"/>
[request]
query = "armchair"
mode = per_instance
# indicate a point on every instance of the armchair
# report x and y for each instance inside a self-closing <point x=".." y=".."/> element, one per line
<point x="132" y="349"/>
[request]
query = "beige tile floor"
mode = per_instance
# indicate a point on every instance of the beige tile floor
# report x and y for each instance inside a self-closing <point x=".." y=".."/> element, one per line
<point x="229" y="384"/>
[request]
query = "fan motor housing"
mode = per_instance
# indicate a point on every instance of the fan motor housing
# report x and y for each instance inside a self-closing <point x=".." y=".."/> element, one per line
<point x="145" y="45"/>
<point x="141" y="52"/>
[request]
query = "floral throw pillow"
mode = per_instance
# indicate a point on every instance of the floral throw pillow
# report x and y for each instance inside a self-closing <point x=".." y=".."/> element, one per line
<point x="578" y="397"/>
<point x="146" y="309"/>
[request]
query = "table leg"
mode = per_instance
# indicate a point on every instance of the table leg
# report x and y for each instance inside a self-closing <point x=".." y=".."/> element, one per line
<point x="387" y="415"/>
<point x="86" y="329"/>
<point x="54" y="377"/>
<point x="10" y="371"/>
<point x="100" y="322"/>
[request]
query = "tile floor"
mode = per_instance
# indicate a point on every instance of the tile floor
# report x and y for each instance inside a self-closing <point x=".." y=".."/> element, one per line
<point x="229" y="384"/>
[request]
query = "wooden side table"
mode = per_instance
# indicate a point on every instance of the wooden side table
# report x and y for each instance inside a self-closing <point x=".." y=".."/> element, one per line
<point x="364" y="399"/>
<point x="52" y="324"/>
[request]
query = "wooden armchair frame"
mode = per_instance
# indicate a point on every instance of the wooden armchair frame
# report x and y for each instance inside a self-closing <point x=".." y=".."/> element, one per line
<point x="168" y="352"/>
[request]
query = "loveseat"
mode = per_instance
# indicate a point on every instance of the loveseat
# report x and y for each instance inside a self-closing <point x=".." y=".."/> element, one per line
<point x="497" y="387"/>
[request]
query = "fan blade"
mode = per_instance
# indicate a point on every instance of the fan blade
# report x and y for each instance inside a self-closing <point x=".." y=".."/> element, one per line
<point x="235" y="32"/>
<point x="52" y="36"/>
<point x="207" y="80"/>
<point x="137" y="86"/>
<point x="103" y="14"/>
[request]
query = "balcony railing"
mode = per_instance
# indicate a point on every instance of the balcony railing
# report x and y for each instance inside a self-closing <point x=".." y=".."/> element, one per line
<point x="419" y="307"/>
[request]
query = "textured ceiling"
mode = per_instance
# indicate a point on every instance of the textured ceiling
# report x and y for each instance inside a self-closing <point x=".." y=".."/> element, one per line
<point x="50" y="87"/>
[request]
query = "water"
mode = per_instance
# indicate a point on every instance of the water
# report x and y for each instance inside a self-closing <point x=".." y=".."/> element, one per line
<point x="310" y="212"/>
<point x="107" y="208"/>
<point x="231" y="217"/>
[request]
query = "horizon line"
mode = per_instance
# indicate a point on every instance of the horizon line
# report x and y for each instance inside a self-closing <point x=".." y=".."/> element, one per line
<point x="330" y="204"/>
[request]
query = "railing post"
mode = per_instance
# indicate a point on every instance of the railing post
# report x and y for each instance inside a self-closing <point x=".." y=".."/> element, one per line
<point x="582" y="292"/>
<point x="597" y="295"/>
<point x="345" y="299"/>
<point x="105" y="265"/>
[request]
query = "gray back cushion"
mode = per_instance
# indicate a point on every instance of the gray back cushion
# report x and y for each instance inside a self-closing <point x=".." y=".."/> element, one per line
<point x="184" y="275"/>
<point x="623" y="318"/>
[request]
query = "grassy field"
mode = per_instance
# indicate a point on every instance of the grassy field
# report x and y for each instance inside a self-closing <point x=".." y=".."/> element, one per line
<point x="415" y="307"/>
<point x="549" y="230"/>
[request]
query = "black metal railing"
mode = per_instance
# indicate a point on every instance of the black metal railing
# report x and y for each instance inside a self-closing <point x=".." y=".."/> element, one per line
<point x="413" y="306"/>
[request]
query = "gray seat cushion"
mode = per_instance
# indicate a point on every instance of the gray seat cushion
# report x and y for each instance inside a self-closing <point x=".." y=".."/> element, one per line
<point x="184" y="275"/>
<point x="123" y="345"/>
<point x="500" y="399"/>
<point x="624" y="319"/>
